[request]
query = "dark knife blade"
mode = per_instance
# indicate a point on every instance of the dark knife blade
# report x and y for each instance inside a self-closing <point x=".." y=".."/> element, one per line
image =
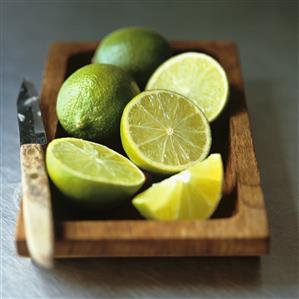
<point x="31" y="125"/>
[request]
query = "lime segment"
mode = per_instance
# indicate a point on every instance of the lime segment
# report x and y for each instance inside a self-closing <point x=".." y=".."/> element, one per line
<point x="197" y="76"/>
<point x="192" y="194"/>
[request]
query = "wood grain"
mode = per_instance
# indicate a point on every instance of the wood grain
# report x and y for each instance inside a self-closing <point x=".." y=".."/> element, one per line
<point x="238" y="227"/>
<point x="37" y="208"/>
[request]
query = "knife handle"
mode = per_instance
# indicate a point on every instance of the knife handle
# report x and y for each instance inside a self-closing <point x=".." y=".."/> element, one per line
<point x="37" y="208"/>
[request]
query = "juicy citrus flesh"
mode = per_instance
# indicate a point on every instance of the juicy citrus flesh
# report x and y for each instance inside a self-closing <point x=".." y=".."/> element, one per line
<point x="91" y="172"/>
<point x="191" y="194"/>
<point x="139" y="51"/>
<point x="91" y="101"/>
<point x="164" y="132"/>
<point x="197" y="76"/>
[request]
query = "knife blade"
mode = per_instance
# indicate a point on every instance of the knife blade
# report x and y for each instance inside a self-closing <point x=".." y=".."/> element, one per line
<point x="37" y="208"/>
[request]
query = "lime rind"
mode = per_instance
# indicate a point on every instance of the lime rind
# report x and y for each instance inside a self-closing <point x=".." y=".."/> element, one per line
<point x="91" y="100"/>
<point x="126" y="48"/>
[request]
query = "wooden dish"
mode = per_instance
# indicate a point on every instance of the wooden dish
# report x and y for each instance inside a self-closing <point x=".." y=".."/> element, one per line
<point x="239" y="226"/>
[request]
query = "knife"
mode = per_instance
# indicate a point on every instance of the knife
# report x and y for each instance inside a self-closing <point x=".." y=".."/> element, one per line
<point x="37" y="210"/>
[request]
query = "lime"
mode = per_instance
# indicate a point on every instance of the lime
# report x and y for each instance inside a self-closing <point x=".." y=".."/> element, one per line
<point x="91" y="101"/>
<point x="91" y="174"/>
<point x="138" y="51"/>
<point x="192" y="194"/>
<point x="197" y="76"/>
<point x="164" y="132"/>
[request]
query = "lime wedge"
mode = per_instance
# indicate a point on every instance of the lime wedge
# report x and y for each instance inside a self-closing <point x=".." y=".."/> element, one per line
<point x="91" y="174"/>
<point x="164" y="132"/>
<point x="191" y="194"/>
<point x="197" y="76"/>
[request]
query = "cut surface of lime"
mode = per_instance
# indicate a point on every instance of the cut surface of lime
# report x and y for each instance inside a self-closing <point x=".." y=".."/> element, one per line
<point x="191" y="194"/>
<point x="197" y="76"/>
<point x="164" y="132"/>
<point x="91" y="173"/>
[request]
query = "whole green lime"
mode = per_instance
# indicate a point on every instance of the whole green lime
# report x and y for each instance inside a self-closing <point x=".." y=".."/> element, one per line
<point x="138" y="51"/>
<point x="91" y="101"/>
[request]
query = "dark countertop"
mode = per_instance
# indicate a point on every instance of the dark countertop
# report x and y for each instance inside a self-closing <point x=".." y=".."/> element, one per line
<point x="267" y="35"/>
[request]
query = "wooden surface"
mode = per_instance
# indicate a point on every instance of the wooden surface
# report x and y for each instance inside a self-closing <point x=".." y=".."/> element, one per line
<point x="37" y="210"/>
<point x="238" y="227"/>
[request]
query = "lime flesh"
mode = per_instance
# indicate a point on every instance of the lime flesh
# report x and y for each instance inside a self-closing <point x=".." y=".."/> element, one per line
<point x="192" y="194"/>
<point x="91" y="174"/>
<point x="197" y="76"/>
<point x="164" y="132"/>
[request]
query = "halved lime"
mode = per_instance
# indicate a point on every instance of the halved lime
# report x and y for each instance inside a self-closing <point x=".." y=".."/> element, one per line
<point x="164" y="132"/>
<point x="91" y="174"/>
<point x="192" y="194"/>
<point x="197" y="76"/>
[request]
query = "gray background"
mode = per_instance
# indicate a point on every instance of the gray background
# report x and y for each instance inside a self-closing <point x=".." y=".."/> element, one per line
<point x="267" y="35"/>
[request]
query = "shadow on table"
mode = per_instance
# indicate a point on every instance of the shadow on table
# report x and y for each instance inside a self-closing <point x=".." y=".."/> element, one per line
<point x="173" y="273"/>
<point x="280" y="269"/>
<point x="273" y="119"/>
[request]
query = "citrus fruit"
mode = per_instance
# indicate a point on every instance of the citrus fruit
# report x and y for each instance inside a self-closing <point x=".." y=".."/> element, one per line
<point x="137" y="50"/>
<point x="91" y="174"/>
<point x="91" y="101"/>
<point x="197" y="76"/>
<point x="164" y="132"/>
<point x="191" y="194"/>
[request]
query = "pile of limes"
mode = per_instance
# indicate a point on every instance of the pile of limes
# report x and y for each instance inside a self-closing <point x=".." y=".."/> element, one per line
<point x="164" y="130"/>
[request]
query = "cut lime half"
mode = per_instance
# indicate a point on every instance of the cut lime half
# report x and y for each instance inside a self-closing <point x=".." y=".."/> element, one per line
<point x="197" y="76"/>
<point x="91" y="174"/>
<point x="164" y="132"/>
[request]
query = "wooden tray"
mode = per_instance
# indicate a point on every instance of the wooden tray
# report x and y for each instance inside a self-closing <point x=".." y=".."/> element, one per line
<point x="239" y="225"/>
